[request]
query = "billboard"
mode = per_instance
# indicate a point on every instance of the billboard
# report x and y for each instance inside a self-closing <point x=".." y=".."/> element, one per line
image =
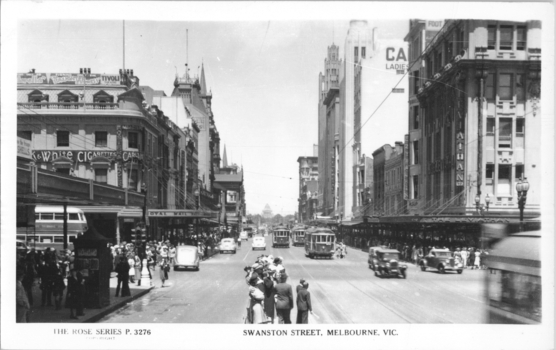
<point x="32" y="78"/>
<point x="68" y="79"/>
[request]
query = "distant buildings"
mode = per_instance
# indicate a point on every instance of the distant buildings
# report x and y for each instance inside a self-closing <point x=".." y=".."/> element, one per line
<point x="267" y="212"/>
<point x="308" y="189"/>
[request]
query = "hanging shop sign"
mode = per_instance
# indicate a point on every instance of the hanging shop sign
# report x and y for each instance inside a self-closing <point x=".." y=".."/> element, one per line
<point x="460" y="158"/>
<point x="23" y="148"/>
<point x="154" y="213"/>
<point x="406" y="168"/>
<point x="47" y="156"/>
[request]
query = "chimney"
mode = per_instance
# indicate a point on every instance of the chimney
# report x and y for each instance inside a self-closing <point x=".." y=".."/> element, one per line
<point x="315" y="150"/>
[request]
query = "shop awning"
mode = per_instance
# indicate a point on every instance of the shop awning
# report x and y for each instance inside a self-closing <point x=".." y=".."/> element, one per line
<point x="351" y="223"/>
<point x="181" y="213"/>
<point x="100" y="209"/>
<point x="131" y="213"/>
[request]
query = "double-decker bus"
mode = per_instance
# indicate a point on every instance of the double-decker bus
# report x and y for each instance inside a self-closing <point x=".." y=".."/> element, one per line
<point x="49" y="227"/>
<point x="320" y="242"/>
<point x="298" y="235"/>
<point x="513" y="282"/>
<point x="281" y="237"/>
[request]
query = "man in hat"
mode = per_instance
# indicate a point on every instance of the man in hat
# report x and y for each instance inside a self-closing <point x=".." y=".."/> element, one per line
<point x="303" y="304"/>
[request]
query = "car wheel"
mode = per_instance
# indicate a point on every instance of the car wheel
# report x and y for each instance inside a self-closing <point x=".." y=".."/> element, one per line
<point x="423" y="267"/>
<point x="441" y="269"/>
<point x="198" y="269"/>
<point x="403" y="274"/>
<point x="175" y="268"/>
<point x="460" y="271"/>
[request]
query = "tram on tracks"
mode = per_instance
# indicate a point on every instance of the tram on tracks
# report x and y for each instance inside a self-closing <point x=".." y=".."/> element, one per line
<point x="513" y="283"/>
<point x="281" y="237"/>
<point x="319" y="242"/>
<point x="298" y="235"/>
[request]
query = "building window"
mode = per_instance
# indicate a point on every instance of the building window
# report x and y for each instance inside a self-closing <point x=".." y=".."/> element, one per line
<point x="355" y="53"/>
<point x="416" y="82"/>
<point x="398" y="90"/>
<point x="415" y="117"/>
<point x="505" y="133"/>
<point x="25" y="134"/>
<point x="489" y="175"/>
<point x="415" y="152"/>
<point x="505" y="86"/>
<point x="492" y="37"/>
<point x="101" y="139"/>
<point x="65" y="171"/>
<point x="363" y="52"/>
<point x="132" y="140"/>
<point x="491" y="122"/>
<point x="490" y="93"/>
<point x="519" y="171"/>
<point x="62" y="138"/>
<point x="521" y="38"/>
<point x="520" y="126"/>
<point x="520" y="87"/>
<point x="504" y="178"/>
<point x="101" y="175"/>
<point x="506" y="37"/>
<point x="132" y="185"/>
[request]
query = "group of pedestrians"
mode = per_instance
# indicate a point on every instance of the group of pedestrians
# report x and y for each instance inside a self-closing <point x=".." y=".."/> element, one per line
<point x="53" y="272"/>
<point x="271" y="297"/>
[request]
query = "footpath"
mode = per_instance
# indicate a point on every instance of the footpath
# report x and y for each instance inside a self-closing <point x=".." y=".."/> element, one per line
<point x="49" y="314"/>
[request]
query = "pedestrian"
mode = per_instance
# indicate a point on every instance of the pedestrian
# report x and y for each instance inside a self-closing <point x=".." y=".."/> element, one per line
<point x="256" y="297"/>
<point x="23" y="307"/>
<point x="164" y="269"/>
<point x="300" y="285"/>
<point x="464" y="257"/>
<point x="172" y="254"/>
<point x="46" y="274"/>
<point x="239" y="242"/>
<point x="477" y="259"/>
<point x="138" y="265"/>
<point x="122" y="268"/>
<point x="269" y="296"/>
<point x="284" y="300"/>
<point x="29" y="278"/>
<point x="72" y="294"/>
<point x="131" y="262"/>
<point x="303" y="304"/>
<point x="58" y="287"/>
<point x="470" y="258"/>
<point x="151" y="263"/>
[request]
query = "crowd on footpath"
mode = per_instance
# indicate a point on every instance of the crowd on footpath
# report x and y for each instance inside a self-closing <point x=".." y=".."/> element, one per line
<point x="52" y="271"/>
<point x="470" y="257"/>
<point x="271" y="297"/>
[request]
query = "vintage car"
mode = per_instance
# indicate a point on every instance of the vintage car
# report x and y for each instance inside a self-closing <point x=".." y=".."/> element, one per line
<point x="259" y="243"/>
<point x="244" y="236"/>
<point x="227" y="245"/>
<point x="385" y="262"/>
<point x="187" y="256"/>
<point x="442" y="260"/>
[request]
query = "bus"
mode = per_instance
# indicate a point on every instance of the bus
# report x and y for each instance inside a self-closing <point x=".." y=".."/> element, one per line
<point x="320" y="242"/>
<point x="49" y="227"/>
<point x="298" y="235"/>
<point x="281" y="237"/>
<point x="513" y="282"/>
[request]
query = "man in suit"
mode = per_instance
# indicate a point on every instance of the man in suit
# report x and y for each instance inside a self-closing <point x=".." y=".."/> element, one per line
<point x="284" y="300"/>
<point x="303" y="304"/>
<point x="299" y="286"/>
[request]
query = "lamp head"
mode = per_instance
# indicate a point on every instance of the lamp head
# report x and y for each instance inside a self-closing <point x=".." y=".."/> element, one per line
<point x="477" y="199"/>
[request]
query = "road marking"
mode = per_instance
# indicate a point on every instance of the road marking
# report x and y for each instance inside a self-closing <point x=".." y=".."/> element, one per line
<point x="246" y="255"/>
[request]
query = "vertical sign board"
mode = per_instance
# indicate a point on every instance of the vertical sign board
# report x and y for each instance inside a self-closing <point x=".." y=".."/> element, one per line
<point x="460" y="157"/>
<point x="431" y="29"/>
<point x="406" y="168"/>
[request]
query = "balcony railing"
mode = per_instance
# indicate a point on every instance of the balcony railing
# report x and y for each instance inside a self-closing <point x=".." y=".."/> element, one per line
<point x="67" y="105"/>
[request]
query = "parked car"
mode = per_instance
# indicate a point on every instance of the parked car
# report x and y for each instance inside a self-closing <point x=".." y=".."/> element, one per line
<point x="385" y="262"/>
<point x="243" y="236"/>
<point x="227" y="245"/>
<point x="259" y="243"/>
<point x="441" y="259"/>
<point x="187" y="256"/>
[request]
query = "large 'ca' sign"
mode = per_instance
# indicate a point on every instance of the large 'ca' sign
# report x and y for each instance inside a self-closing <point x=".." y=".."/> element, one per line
<point x="399" y="57"/>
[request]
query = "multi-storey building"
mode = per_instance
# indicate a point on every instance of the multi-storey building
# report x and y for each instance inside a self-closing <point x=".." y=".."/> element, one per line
<point x="480" y="116"/>
<point x="329" y="124"/>
<point x="394" y="203"/>
<point x="98" y="127"/>
<point x="363" y="188"/>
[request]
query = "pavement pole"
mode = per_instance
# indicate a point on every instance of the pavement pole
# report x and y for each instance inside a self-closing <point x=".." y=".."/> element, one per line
<point x="145" y="280"/>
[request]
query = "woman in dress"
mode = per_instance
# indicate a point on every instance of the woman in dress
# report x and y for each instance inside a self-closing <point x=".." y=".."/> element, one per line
<point x="477" y="259"/>
<point x="131" y="262"/>
<point x="164" y="268"/>
<point x="256" y="298"/>
<point x="137" y="268"/>
<point x="269" y="293"/>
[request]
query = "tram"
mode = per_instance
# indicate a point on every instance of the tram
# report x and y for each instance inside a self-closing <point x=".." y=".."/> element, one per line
<point x="281" y="237"/>
<point x="298" y="235"/>
<point x="320" y="242"/>
<point x="49" y="227"/>
<point x="513" y="282"/>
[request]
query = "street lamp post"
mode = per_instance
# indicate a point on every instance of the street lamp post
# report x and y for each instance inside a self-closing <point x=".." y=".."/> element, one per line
<point x="197" y="196"/>
<point x="479" y="206"/>
<point x="522" y="187"/>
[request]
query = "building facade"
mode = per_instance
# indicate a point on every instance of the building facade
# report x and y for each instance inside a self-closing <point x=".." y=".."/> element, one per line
<point x="480" y="116"/>
<point x="308" y="189"/>
<point x="394" y="203"/>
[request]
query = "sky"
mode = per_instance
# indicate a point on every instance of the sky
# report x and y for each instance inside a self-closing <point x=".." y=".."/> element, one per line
<point x="263" y="76"/>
